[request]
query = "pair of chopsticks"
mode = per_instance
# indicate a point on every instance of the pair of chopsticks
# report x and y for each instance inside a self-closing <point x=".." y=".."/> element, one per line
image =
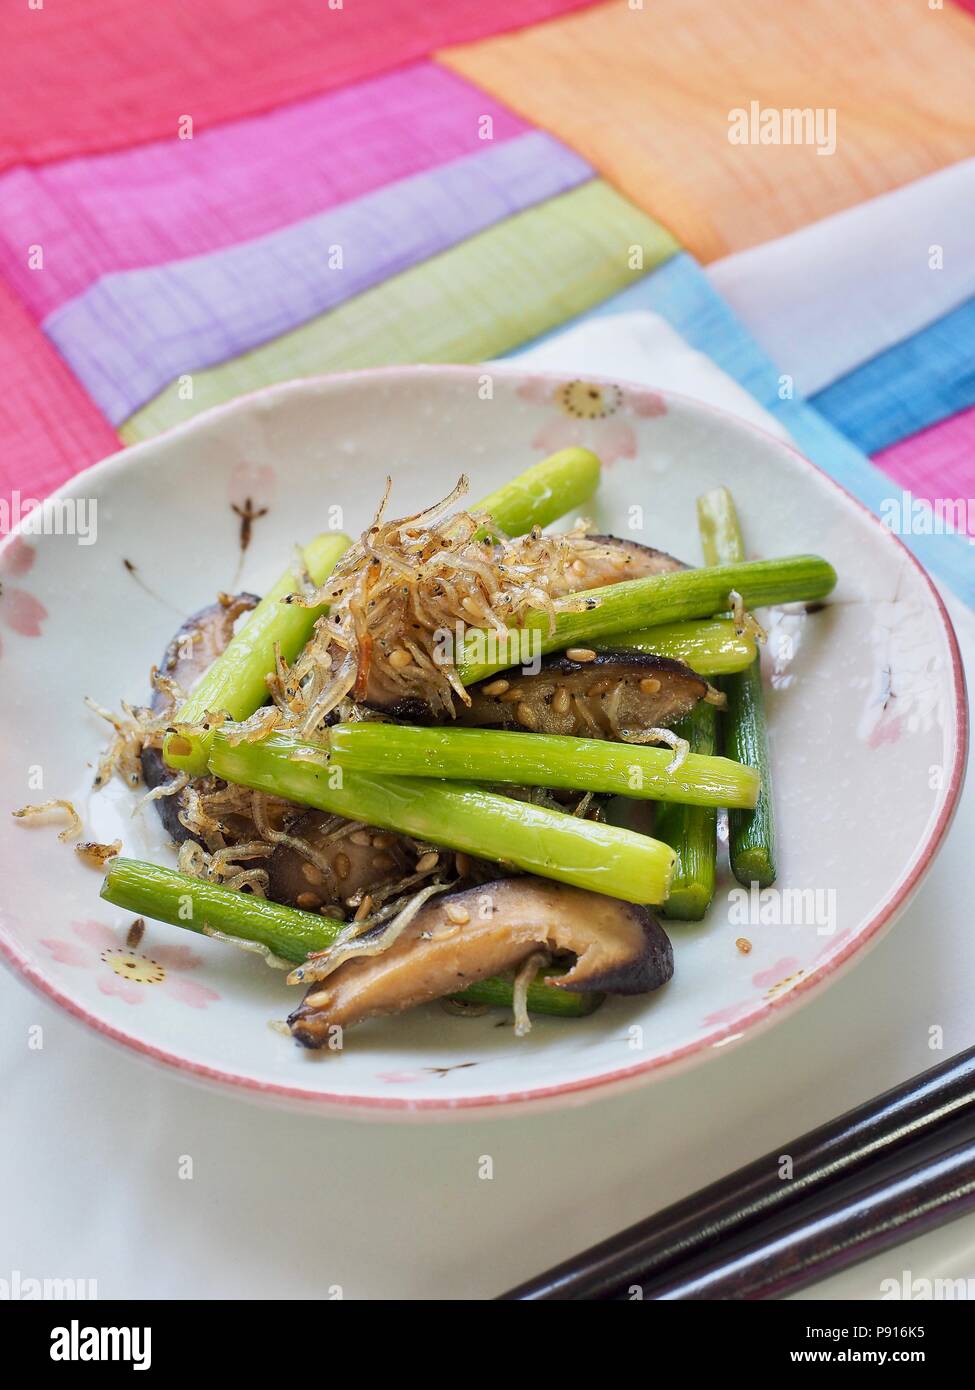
<point x="883" y="1173"/>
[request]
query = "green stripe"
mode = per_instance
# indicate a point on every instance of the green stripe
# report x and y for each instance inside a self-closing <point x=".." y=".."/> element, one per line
<point x="501" y="288"/>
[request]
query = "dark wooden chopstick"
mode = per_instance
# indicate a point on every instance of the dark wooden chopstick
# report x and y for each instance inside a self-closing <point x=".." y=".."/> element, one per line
<point x="857" y="1227"/>
<point x="844" y="1147"/>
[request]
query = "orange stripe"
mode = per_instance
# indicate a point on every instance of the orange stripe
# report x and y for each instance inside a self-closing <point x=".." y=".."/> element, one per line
<point x="645" y="95"/>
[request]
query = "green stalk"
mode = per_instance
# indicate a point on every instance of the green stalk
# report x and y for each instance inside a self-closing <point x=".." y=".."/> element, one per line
<point x="751" y="834"/>
<point x="542" y="999"/>
<point x="541" y="760"/>
<point x="692" y="830"/>
<point x="236" y="680"/>
<point x="459" y="816"/>
<point x="711" y="648"/>
<point x="544" y="492"/>
<point x="717" y="524"/>
<point x="639" y="603"/>
<point x="169" y="896"/>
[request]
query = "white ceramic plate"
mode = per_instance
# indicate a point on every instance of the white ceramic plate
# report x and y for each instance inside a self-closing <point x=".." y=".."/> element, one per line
<point x="866" y="701"/>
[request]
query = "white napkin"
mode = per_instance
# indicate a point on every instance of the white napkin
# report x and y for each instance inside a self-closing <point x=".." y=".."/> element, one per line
<point x="288" y="1206"/>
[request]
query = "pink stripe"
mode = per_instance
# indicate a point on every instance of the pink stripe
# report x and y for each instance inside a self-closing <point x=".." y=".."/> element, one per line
<point x="49" y="427"/>
<point x="86" y="76"/>
<point x="172" y="199"/>
<point x="938" y="463"/>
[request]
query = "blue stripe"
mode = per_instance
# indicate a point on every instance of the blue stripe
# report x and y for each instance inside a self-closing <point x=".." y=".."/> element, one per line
<point x="912" y="385"/>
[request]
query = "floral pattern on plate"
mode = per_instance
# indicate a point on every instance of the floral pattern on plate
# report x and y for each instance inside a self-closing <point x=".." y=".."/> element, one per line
<point x="130" y="974"/>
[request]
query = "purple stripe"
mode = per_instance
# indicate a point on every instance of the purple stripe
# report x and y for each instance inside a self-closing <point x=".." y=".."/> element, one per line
<point x="156" y="203"/>
<point x="131" y="334"/>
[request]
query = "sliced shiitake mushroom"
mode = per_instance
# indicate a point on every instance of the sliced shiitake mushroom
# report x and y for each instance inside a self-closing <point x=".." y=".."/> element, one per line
<point x="345" y="866"/>
<point x="592" y="568"/>
<point x="454" y="941"/>
<point x="612" y="692"/>
<point x="350" y="861"/>
<point x="190" y="653"/>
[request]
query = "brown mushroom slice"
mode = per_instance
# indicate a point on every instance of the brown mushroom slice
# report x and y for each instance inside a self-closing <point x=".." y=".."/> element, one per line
<point x="601" y="560"/>
<point x="454" y="941"/>
<point x="345" y="866"/>
<point x="614" y="691"/>
<point x="188" y="655"/>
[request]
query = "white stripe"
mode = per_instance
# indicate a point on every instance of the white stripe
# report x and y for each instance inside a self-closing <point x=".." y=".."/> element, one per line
<point x="826" y="298"/>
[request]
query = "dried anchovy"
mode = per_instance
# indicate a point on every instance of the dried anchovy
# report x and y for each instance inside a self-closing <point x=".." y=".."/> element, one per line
<point x="56" y="804"/>
<point x="97" y="855"/>
<point x="408" y="580"/>
<point x="653" y="735"/>
<point x="527" y="971"/>
<point x="744" y="620"/>
<point x="256" y="948"/>
<point x="171" y="788"/>
<point x="359" y="940"/>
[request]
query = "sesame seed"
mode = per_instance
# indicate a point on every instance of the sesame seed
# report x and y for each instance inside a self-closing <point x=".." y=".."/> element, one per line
<point x="443" y="933"/>
<point x="309" y="901"/>
<point x="649" y="685"/>
<point x="462" y="864"/>
<point x="426" y="862"/>
<point x="526" y="716"/>
<point x="312" y="874"/>
<point x="744" y="945"/>
<point x="342" y="865"/>
<point x="457" y="914"/>
<point x="361" y="837"/>
<point x="497" y="687"/>
<point x="582" y="654"/>
<point x="561" y="700"/>
<point x="400" y="658"/>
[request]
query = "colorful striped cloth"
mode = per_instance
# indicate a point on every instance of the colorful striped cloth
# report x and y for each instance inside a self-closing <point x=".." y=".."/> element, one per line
<point x="110" y="74"/>
<point x="130" y="334"/>
<point x="912" y="385"/>
<point x="937" y="462"/>
<point x="481" y="298"/>
<point x="894" y="264"/>
<point x="238" y="181"/>
<point x="683" y="295"/>
<point x="645" y="93"/>
<point x="196" y="201"/>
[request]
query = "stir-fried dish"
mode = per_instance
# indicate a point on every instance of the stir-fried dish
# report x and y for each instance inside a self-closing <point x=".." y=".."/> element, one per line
<point x="462" y="758"/>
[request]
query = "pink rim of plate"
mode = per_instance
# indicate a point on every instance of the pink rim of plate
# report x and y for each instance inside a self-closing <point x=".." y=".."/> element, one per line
<point x="749" y="1023"/>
